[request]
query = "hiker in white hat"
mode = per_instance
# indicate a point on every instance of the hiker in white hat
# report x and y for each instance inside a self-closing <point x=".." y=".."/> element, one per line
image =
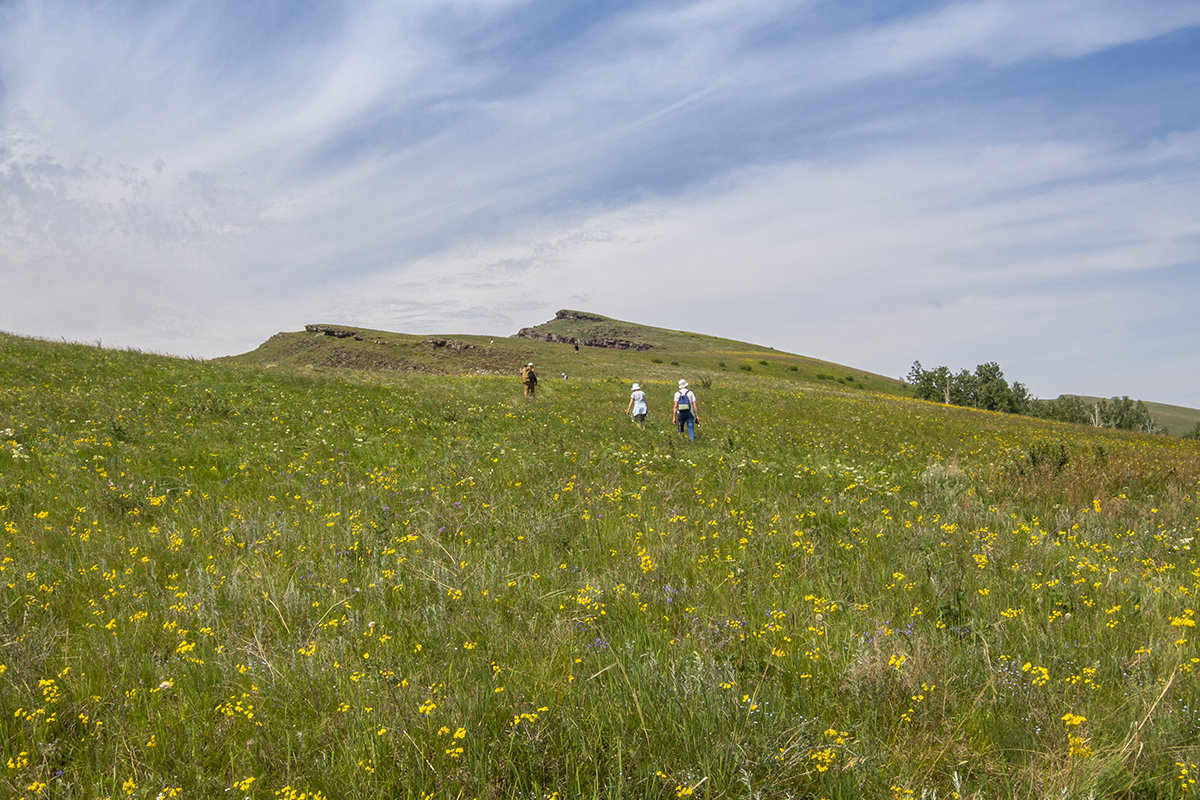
<point x="637" y="406"/>
<point x="686" y="411"/>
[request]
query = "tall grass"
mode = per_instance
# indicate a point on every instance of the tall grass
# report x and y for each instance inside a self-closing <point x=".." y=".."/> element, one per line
<point x="227" y="582"/>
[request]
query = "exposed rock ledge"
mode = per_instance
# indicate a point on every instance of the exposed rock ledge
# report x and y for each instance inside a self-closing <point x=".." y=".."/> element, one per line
<point x="610" y="342"/>
<point x="567" y="313"/>
<point x="450" y="344"/>
<point x="597" y="341"/>
<point x="340" y="333"/>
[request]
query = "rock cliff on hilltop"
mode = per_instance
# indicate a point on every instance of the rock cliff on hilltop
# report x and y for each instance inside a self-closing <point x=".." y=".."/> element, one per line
<point x="580" y="328"/>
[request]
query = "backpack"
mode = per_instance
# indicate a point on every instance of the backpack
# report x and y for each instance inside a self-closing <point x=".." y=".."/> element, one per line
<point x="684" y="403"/>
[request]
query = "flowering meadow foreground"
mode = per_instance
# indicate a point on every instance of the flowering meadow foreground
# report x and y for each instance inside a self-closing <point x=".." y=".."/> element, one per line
<point x="225" y="582"/>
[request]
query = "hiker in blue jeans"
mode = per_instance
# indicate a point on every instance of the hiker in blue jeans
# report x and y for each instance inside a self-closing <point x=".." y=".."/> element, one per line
<point x="686" y="411"/>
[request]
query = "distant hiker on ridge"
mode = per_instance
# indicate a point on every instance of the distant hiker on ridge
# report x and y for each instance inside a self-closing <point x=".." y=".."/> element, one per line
<point x="637" y="406"/>
<point x="529" y="378"/>
<point x="686" y="410"/>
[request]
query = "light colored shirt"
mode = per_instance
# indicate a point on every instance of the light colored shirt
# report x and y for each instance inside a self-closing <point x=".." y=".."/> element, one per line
<point x="639" y="402"/>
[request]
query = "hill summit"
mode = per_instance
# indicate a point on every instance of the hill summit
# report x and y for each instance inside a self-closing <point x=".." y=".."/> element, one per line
<point x="585" y="330"/>
<point x="574" y="343"/>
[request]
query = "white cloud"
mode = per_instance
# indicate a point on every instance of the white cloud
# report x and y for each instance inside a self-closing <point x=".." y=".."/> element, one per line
<point x="959" y="254"/>
<point x="1006" y="31"/>
<point x="192" y="177"/>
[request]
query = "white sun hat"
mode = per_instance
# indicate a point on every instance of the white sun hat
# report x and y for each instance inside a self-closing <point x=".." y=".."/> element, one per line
<point x="682" y="383"/>
<point x="636" y="387"/>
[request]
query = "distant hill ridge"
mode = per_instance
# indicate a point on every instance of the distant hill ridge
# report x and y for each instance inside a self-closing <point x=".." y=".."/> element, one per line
<point x="607" y="348"/>
<point x="577" y="343"/>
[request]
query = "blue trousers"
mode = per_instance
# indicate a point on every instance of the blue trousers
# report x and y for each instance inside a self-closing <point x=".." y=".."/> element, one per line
<point x="687" y="423"/>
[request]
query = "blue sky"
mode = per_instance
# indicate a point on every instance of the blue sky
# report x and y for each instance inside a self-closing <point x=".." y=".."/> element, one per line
<point x="870" y="183"/>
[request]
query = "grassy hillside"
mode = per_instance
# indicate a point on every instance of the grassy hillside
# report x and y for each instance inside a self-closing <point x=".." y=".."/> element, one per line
<point x="242" y="580"/>
<point x="1175" y="420"/>
<point x="670" y="354"/>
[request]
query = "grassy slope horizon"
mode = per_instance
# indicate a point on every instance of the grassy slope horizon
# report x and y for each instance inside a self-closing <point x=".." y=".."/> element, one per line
<point x="674" y="351"/>
<point x="671" y="354"/>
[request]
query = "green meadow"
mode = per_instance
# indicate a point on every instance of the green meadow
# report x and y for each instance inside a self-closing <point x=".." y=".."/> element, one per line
<point x="314" y="572"/>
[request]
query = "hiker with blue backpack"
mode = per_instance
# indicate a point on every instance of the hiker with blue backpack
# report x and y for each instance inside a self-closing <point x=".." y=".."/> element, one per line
<point x="686" y="410"/>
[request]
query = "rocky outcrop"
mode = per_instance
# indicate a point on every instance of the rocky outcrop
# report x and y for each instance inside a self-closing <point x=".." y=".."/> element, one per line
<point x="450" y="344"/>
<point x="343" y="333"/>
<point x="593" y="341"/>
<point x="537" y="334"/>
<point x="567" y="313"/>
<point x="338" y="333"/>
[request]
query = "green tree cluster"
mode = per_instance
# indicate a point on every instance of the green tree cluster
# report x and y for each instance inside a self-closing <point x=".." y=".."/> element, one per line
<point x="1121" y="413"/>
<point x="986" y="388"/>
<point x="1124" y="414"/>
